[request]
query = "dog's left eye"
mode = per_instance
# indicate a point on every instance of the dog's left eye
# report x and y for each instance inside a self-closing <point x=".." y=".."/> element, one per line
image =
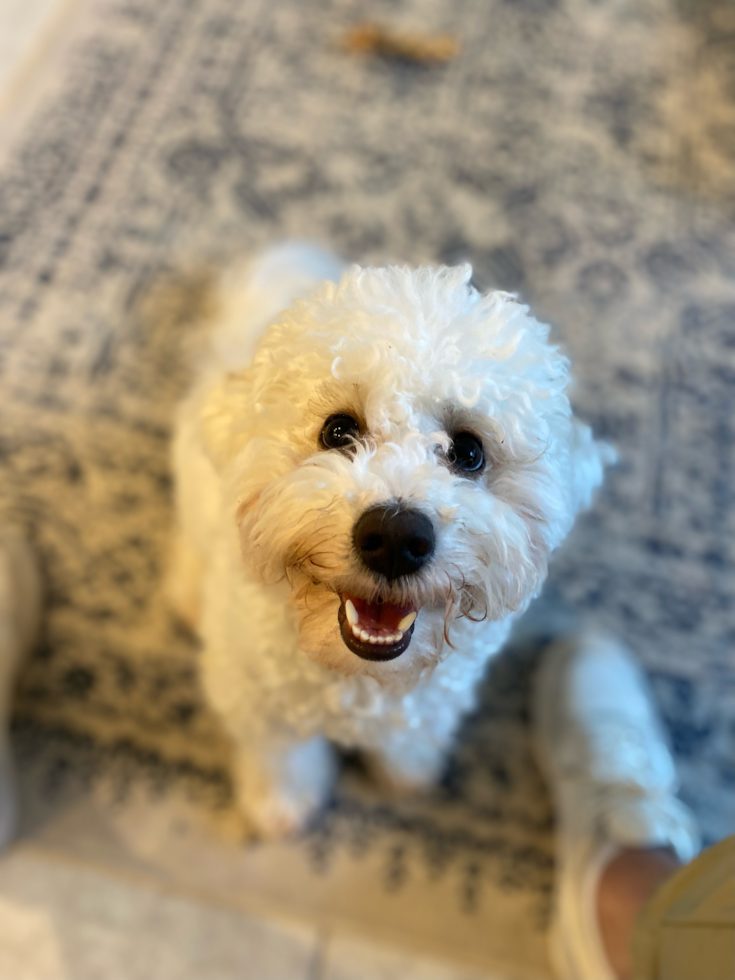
<point x="466" y="454"/>
<point x="340" y="432"/>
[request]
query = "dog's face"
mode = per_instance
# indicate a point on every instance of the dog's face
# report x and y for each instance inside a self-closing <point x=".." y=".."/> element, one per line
<point x="402" y="451"/>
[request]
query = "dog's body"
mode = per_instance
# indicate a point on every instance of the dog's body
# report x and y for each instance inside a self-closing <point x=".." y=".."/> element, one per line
<point x="369" y="484"/>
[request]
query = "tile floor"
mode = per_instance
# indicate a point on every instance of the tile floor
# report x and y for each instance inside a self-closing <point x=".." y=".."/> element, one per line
<point x="61" y="920"/>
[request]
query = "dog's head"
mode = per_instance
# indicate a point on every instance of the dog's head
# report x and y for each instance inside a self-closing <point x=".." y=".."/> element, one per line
<point x="402" y="450"/>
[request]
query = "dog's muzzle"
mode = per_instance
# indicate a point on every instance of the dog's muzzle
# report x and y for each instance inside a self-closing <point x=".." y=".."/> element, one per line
<point x="392" y="542"/>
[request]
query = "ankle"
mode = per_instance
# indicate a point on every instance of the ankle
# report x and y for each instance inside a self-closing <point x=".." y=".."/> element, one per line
<point x="626" y="884"/>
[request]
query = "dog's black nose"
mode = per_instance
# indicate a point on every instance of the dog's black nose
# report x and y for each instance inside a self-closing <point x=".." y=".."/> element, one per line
<point x="394" y="541"/>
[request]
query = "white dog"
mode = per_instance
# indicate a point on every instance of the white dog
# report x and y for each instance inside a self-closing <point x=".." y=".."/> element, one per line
<point x="371" y="475"/>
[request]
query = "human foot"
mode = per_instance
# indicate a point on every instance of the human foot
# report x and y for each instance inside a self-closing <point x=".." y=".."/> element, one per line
<point x="625" y="885"/>
<point x="613" y="780"/>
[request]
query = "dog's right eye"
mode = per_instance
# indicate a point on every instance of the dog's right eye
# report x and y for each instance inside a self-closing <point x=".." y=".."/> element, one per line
<point x="466" y="454"/>
<point x="340" y="432"/>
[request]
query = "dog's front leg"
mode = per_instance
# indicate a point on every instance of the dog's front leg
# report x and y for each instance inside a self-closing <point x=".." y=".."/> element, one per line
<point x="281" y="782"/>
<point x="408" y="767"/>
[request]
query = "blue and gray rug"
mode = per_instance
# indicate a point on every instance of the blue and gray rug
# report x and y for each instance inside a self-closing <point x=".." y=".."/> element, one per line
<point x="578" y="152"/>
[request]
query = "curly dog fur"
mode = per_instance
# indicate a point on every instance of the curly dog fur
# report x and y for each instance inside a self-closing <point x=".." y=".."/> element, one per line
<point x="290" y="601"/>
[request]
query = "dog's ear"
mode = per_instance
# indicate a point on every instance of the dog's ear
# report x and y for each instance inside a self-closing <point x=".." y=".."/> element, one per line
<point x="589" y="457"/>
<point x="225" y="418"/>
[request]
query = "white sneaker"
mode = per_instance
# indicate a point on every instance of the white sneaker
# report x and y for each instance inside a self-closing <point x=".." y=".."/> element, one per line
<point x="612" y="777"/>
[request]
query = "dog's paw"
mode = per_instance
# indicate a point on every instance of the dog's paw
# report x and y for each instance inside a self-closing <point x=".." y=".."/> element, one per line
<point x="280" y="787"/>
<point x="276" y="816"/>
<point x="407" y="777"/>
<point x="397" y="787"/>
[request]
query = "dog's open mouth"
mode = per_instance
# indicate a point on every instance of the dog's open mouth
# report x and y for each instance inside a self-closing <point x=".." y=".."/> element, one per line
<point x="376" y="630"/>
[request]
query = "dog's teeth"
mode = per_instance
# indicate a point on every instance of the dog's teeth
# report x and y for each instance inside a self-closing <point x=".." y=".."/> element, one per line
<point x="351" y="612"/>
<point x="375" y="639"/>
<point x="407" y="621"/>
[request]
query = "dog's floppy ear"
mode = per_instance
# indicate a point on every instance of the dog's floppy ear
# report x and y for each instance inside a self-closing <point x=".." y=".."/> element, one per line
<point x="225" y="418"/>
<point x="589" y="457"/>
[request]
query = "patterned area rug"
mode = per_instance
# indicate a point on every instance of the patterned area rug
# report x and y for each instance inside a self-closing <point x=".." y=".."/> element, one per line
<point x="579" y="152"/>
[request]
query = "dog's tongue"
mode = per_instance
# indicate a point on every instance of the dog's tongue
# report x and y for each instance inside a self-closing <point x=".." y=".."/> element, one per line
<point x="380" y="615"/>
